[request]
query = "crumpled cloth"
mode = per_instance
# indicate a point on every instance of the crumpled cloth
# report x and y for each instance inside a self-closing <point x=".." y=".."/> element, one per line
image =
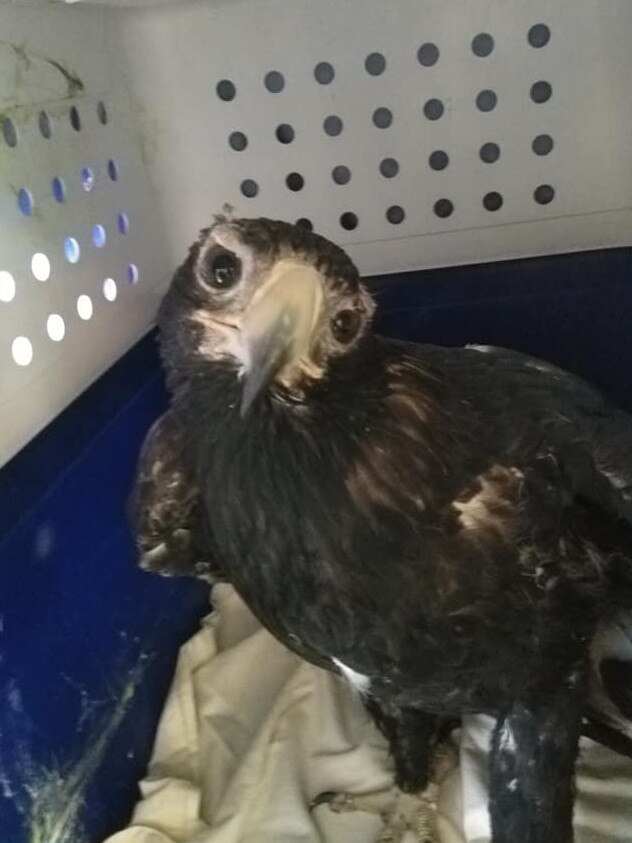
<point x="250" y="734"/>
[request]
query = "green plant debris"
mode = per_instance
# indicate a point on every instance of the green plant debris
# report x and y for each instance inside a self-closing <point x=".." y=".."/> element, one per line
<point x="25" y="60"/>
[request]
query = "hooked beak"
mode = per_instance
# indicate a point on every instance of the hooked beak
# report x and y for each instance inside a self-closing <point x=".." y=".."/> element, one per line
<point x="278" y="324"/>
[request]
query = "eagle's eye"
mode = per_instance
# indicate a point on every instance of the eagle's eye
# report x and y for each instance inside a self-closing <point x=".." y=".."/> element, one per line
<point x="345" y="325"/>
<point x="225" y="271"/>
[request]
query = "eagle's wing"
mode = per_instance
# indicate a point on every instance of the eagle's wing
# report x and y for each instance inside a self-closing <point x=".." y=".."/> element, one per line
<point x="166" y="510"/>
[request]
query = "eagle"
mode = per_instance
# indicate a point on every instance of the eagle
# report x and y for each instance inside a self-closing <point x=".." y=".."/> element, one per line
<point x="448" y="528"/>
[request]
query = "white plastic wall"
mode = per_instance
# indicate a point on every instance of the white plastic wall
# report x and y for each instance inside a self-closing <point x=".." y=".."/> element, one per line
<point x="460" y="91"/>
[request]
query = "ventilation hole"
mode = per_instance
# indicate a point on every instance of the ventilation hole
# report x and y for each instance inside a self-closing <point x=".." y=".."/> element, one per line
<point x="486" y="101"/>
<point x="102" y="113"/>
<point x="249" y="188"/>
<point x="333" y="125"/>
<point x="7" y="286"/>
<point x="25" y="202"/>
<point x="375" y="64"/>
<point x="9" y="132"/>
<point x="324" y="73"/>
<point x="122" y="222"/>
<point x="542" y="145"/>
<point x="492" y="201"/>
<point x="59" y="189"/>
<point x="75" y="118"/>
<point x="109" y="289"/>
<point x="40" y="266"/>
<point x="87" y="179"/>
<point x="274" y="82"/>
<point x="98" y="236"/>
<point x="113" y="170"/>
<point x="45" y="125"/>
<point x="132" y="273"/>
<point x="71" y="250"/>
<point x="238" y="141"/>
<point x="389" y="168"/>
<point x="541" y="91"/>
<point x="226" y="90"/>
<point x="341" y="174"/>
<point x="539" y="35"/>
<point x="284" y="133"/>
<point x="382" y="117"/>
<point x="395" y="214"/>
<point x="482" y="44"/>
<point x="22" y="351"/>
<point x="489" y="152"/>
<point x="544" y="194"/>
<point x="84" y="307"/>
<point x="295" y="181"/>
<point x="438" y="160"/>
<point x="443" y="208"/>
<point x="433" y="109"/>
<point x="55" y="327"/>
<point x="305" y="224"/>
<point x="349" y="221"/>
<point x="428" y="54"/>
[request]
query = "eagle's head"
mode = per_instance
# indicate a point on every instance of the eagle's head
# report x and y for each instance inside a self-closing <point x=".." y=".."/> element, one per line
<point x="276" y="303"/>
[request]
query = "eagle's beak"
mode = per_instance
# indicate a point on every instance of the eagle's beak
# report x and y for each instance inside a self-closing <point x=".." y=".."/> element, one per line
<point x="277" y="326"/>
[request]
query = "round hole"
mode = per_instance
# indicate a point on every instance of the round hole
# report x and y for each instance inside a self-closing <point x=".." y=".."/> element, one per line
<point x="389" y="168"/>
<point x="102" y="113"/>
<point x="284" y="133"/>
<point x="482" y="44"/>
<point x="7" y="286"/>
<point x="40" y="266"/>
<point x="324" y="73"/>
<point x="45" y="125"/>
<point x="25" y="202"/>
<point x="438" y="160"/>
<point x="382" y="117"/>
<point x="489" y="152"/>
<point x="84" y="307"/>
<point x="9" y="132"/>
<point x="56" y="327"/>
<point x="75" y="118"/>
<point x="132" y="273"/>
<point x="109" y="289"/>
<point x="274" y="82"/>
<point x="492" y="201"/>
<point x="428" y="54"/>
<point x="332" y="125"/>
<point x="238" y="141"/>
<point x="59" y="189"/>
<point x="98" y="236"/>
<point x="395" y="214"/>
<point x="443" y="208"/>
<point x="486" y="101"/>
<point x="22" y="351"/>
<point x="295" y="181"/>
<point x="341" y="174"/>
<point x="544" y="194"/>
<point x="226" y="90"/>
<point x="71" y="250"/>
<point x="305" y="224"/>
<point x="433" y="109"/>
<point x="249" y="188"/>
<point x="87" y="179"/>
<point x="541" y="92"/>
<point x="375" y="64"/>
<point x="349" y="221"/>
<point x="113" y="171"/>
<point x="542" y="145"/>
<point x="122" y="222"/>
<point x="539" y="35"/>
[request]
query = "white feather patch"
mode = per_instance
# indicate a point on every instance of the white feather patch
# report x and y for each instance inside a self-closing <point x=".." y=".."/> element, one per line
<point x="359" y="681"/>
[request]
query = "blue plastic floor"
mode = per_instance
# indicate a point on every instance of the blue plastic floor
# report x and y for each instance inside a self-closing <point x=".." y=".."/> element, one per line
<point x="87" y="642"/>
